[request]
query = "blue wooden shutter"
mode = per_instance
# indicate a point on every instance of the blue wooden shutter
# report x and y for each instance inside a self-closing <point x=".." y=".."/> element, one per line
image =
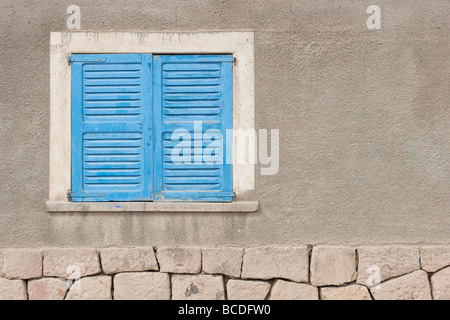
<point x="111" y="127"/>
<point x="192" y="91"/>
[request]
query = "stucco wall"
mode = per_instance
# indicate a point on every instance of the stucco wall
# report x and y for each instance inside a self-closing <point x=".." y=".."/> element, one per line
<point x="363" y="118"/>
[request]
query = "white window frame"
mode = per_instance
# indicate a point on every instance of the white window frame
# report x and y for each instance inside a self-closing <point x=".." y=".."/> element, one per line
<point x="63" y="44"/>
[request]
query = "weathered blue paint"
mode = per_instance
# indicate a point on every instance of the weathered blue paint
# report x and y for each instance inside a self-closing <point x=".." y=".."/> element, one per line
<point x="192" y="93"/>
<point x="111" y="127"/>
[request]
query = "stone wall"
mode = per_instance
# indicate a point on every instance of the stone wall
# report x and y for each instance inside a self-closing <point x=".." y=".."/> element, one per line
<point x="257" y="273"/>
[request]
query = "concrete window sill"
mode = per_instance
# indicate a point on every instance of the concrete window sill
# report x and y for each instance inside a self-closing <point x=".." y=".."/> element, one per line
<point x="238" y="206"/>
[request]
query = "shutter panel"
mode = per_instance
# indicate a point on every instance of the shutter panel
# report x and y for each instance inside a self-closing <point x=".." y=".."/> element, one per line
<point x="192" y="99"/>
<point x="111" y="127"/>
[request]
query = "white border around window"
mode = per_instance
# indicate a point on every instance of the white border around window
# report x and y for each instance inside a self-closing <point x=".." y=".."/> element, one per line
<point x="63" y="44"/>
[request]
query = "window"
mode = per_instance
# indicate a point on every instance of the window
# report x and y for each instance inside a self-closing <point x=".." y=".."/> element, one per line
<point x="151" y="127"/>
<point x="166" y="45"/>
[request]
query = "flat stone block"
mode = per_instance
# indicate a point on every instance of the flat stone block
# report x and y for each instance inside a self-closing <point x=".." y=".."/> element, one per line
<point x="197" y="287"/>
<point x="413" y="286"/>
<point x="12" y="289"/>
<point x="350" y="292"/>
<point x="434" y="258"/>
<point x="247" y="289"/>
<point x="265" y="263"/>
<point x="21" y="264"/>
<point x="390" y="261"/>
<point x="332" y="265"/>
<point x="47" y="289"/>
<point x="142" y="286"/>
<point x="72" y="262"/>
<point x="116" y="260"/>
<point x="286" y="290"/>
<point x="226" y="261"/>
<point x="440" y="284"/>
<point x="91" y="288"/>
<point x="179" y="259"/>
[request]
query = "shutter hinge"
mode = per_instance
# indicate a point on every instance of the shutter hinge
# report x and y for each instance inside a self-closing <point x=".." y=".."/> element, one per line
<point x="222" y="195"/>
<point x="85" y="59"/>
<point x="72" y="195"/>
